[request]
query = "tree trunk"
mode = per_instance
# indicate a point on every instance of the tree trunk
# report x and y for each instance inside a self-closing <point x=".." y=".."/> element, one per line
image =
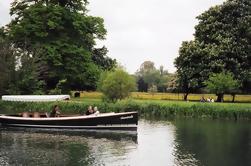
<point x="233" y="98"/>
<point x="220" y="97"/>
<point x="185" y="96"/>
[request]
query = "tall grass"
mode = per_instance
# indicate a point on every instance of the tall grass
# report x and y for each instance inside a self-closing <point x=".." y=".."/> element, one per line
<point x="144" y="107"/>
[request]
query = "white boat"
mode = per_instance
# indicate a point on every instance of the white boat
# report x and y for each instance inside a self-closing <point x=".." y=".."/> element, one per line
<point x="35" y="98"/>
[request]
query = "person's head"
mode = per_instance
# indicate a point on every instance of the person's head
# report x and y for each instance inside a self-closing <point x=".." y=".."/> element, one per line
<point x="55" y="107"/>
<point x="95" y="109"/>
<point x="90" y="108"/>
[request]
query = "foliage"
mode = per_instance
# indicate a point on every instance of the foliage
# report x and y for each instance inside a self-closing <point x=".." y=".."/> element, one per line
<point x="142" y="85"/>
<point x="148" y="76"/>
<point x="63" y="37"/>
<point x="152" y="89"/>
<point x="148" y="73"/>
<point x="146" y="66"/>
<point x="99" y="57"/>
<point x="27" y="78"/>
<point x="19" y="71"/>
<point x="7" y="62"/>
<point x="145" y="108"/>
<point x="191" y="67"/>
<point x="222" y="43"/>
<point x="61" y="88"/>
<point x="222" y="83"/>
<point x="116" y="84"/>
<point x="172" y="84"/>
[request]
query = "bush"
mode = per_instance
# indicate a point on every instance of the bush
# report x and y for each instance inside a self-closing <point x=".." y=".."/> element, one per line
<point x="116" y="85"/>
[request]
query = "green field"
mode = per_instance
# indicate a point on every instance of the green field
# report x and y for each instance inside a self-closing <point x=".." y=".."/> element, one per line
<point x="170" y="96"/>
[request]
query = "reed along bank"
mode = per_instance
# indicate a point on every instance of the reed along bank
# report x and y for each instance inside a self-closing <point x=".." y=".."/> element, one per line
<point x="147" y="108"/>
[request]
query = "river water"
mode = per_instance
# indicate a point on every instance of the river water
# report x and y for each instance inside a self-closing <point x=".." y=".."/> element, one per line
<point x="157" y="142"/>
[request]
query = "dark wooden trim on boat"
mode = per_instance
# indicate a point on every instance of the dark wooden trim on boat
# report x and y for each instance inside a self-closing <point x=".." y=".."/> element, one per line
<point x="105" y="127"/>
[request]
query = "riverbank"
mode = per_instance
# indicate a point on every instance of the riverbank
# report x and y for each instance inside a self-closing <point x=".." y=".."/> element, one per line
<point x="146" y="108"/>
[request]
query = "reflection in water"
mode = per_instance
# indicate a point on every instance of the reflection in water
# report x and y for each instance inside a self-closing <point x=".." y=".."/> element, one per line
<point x="68" y="148"/>
<point x="211" y="142"/>
<point x="155" y="144"/>
<point x="158" y="142"/>
<point x="109" y="134"/>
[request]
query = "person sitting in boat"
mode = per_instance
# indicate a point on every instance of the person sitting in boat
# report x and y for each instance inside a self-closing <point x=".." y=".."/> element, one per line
<point x="95" y="110"/>
<point x="89" y="111"/>
<point x="55" y="112"/>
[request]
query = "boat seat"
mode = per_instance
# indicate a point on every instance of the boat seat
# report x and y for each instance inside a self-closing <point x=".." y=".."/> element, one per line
<point x="25" y="114"/>
<point x="36" y="115"/>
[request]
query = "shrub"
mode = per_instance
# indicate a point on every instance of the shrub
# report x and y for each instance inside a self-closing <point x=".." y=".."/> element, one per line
<point x="116" y="85"/>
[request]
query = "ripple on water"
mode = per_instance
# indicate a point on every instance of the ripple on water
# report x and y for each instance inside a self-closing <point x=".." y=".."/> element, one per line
<point x="157" y="143"/>
<point x="59" y="149"/>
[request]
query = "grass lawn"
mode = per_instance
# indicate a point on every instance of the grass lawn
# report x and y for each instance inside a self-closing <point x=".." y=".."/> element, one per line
<point x="168" y="96"/>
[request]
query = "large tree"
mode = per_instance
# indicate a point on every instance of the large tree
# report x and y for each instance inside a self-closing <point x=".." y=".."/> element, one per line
<point x="222" y="43"/>
<point x="63" y="36"/>
<point x="192" y="67"/>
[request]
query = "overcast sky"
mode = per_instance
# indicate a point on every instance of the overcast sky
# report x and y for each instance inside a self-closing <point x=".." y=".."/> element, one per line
<point x="141" y="30"/>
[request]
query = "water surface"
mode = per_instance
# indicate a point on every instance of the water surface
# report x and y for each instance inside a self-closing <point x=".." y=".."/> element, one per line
<point x="176" y="142"/>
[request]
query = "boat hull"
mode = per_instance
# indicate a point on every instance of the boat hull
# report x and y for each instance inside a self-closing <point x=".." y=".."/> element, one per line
<point x="112" y="121"/>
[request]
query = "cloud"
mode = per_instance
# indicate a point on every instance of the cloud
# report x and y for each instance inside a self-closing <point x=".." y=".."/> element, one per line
<point x="148" y="29"/>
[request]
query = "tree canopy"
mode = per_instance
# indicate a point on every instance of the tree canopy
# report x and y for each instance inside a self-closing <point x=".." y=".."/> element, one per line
<point x="63" y="36"/>
<point x="7" y="62"/>
<point x="222" y="43"/>
<point x="222" y="83"/>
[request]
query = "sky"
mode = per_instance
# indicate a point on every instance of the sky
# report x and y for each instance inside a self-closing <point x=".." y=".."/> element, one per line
<point x="142" y="30"/>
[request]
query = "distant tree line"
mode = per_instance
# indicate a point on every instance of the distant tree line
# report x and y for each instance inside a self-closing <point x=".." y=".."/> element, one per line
<point x="151" y="79"/>
<point x="50" y="47"/>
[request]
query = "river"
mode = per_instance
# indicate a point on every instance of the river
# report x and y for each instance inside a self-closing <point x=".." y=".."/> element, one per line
<point x="157" y="142"/>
